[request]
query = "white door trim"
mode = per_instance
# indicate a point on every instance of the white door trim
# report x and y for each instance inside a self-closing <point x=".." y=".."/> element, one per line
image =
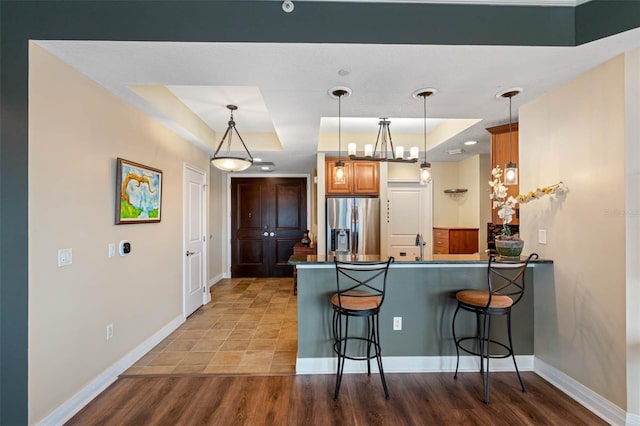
<point x="206" y="296"/>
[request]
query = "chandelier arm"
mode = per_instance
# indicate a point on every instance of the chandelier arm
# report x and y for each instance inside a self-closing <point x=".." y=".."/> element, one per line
<point x="375" y="148"/>
<point x="245" y="146"/>
<point x="393" y="151"/>
<point x="222" y="141"/>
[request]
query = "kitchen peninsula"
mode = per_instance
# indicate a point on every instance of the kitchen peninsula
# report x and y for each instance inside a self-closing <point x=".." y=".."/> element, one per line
<point x="422" y="293"/>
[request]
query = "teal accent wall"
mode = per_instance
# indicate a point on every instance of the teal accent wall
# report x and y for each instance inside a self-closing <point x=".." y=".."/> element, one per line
<point x="424" y="298"/>
<point x="242" y="21"/>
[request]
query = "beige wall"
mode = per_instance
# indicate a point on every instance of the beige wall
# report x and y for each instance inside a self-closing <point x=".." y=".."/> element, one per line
<point x="576" y="134"/>
<point x="217" y="225"/>
<point x="484" y="203"/>
<point x="76" y="131"/>
<point x="457" y="210"/>
<point x="632" y="218"/>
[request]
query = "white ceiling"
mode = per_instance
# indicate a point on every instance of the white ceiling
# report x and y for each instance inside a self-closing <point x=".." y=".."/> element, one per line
<point x="284" y="87"/>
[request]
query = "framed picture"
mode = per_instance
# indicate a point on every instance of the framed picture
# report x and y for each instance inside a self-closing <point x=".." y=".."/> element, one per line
<point x="138" y="193"/>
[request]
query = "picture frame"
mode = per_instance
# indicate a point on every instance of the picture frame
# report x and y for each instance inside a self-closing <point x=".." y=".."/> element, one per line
<point x="138" y="193"/>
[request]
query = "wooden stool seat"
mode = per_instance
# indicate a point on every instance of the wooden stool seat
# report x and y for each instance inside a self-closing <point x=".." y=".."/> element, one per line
<point x="357" y="300"/>
<point x="480" y="298"/>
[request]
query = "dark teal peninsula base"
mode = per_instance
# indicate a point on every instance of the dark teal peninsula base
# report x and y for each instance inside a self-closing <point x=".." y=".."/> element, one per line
<point x="422" y="293"/>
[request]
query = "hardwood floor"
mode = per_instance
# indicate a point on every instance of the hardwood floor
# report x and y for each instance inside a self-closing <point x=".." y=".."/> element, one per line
<point x="185" y="380"/>
<point x="416" y="399"/>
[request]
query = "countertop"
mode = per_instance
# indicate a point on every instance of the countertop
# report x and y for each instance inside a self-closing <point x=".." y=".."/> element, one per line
<point x="477" y="258"/>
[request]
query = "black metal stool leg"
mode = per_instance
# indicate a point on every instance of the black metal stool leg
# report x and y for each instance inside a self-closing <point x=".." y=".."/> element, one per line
<point x="515" y="364"/>
<point x="455" y="341"/>
<point x="378" y="349"/>
<point x="480" y="329"/>
<point x="370" y="338"/>
<point x="487" y="339"/>
<point x="342" y="352"/>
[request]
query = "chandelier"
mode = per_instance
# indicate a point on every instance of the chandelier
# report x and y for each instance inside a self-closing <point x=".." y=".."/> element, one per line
<point x="230" y="163"/>
<point x="385" y="143"/>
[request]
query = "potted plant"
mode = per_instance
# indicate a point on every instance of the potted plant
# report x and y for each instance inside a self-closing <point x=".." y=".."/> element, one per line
<point x="508" y="245"/>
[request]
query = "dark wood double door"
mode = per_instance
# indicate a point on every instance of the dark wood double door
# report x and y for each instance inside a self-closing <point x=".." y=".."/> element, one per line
<point x="268" y="217"/>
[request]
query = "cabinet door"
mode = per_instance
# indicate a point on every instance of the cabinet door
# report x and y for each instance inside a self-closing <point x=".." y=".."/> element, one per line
<point x="330" y="186"/>
<point x="463" y="241"/>
<point x="365" y="178"/>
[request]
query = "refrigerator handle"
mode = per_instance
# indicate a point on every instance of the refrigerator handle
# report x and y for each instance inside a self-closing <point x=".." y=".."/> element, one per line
<point x="354" y="229"/>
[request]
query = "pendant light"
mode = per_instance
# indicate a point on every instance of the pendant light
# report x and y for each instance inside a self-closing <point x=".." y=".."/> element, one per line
<point x="511" y="168"/>
<point x="384" y="141"/>
<point x="339" y="177"/>
<point x="425" y="167"/>
<point x="229" y="163"/>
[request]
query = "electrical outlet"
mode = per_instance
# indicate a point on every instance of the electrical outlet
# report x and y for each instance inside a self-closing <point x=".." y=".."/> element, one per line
<point x="109" y="331"/>
<point x="397" y="323"/>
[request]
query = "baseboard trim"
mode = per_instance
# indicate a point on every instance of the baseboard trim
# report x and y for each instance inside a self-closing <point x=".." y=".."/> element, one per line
<point x="74" y="404"/>
<point x="595" y="403"/>
<point x="633" y="419"/>
<point x="412" y="364"/>
<point x="213" y="281"/>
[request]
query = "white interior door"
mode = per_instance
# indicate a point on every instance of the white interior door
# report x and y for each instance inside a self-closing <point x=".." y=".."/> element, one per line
<point x="194" y="266"/>
<point x="409" y="213"/>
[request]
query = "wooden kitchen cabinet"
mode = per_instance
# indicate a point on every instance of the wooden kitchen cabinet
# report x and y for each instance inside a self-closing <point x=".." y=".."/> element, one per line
<point x="455" y="240"/>
<point x="361" y="178"/>
<point x="501" y="152"/>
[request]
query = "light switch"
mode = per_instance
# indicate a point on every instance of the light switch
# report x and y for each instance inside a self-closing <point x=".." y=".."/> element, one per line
<point x="112" y="249"/>
<point x="65" y="257"/>
<point x="542" y="236"/>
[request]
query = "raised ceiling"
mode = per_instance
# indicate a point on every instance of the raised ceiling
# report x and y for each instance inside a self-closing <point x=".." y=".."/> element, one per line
<point x="282" y="88"/>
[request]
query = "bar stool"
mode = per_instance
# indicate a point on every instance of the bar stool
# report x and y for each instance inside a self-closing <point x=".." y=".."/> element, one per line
<point x="506" y="285"/>
<point x="361" y="289"/>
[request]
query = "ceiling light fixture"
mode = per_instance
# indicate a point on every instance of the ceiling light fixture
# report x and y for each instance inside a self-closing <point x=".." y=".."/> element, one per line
<point x="229" y="163"/>
<point x="468" y="143"/>
<point x="511" y="168"/>
<point x="385" y="142"/>
<point x="338" y="176"/>
<point x="425" y="167"/>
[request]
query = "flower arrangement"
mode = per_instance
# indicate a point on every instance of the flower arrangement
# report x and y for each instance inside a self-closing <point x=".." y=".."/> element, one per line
<point x="506" y="204"/>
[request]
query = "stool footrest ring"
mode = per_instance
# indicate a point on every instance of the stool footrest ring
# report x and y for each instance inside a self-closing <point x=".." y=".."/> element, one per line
<point x="458" y="342"/>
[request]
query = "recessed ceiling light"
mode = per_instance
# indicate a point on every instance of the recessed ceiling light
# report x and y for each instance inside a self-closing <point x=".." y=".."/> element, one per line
<point x="265" y="168"/>
<point x="471" y="142"/>
<point x="257" y="160"/>
<point x="455" y="151"/>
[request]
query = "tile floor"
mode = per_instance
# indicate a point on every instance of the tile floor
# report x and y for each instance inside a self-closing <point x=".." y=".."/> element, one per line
<point x="249" y="327"/>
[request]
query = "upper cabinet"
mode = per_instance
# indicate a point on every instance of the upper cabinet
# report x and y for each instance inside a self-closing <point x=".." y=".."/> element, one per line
<point x="501" y="153"/>
<point x="361" y="178"/>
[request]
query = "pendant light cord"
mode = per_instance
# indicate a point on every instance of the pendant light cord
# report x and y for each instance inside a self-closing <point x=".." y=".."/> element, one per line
<point x="424" y="99"/>
<point x="339" y="128"/>
<point x="510" y="143"/>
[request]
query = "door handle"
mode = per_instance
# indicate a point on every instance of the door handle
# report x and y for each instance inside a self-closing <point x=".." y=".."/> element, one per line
<point x="265" y="233"/>
<point x="189" y="253"/>
<point x="271" y="234"/>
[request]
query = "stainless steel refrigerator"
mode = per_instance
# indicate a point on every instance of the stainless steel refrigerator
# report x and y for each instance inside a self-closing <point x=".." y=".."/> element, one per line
<point x="353" y="225"/>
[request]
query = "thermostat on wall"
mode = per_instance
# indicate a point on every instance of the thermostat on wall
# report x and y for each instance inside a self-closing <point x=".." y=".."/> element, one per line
<point x="125" y="247"/>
